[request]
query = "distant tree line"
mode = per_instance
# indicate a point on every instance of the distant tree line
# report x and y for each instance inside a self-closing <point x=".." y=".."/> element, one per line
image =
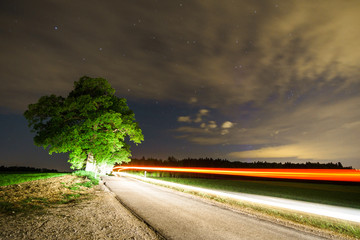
<point x="26" y="169"/>
<point x="223" y="163"/>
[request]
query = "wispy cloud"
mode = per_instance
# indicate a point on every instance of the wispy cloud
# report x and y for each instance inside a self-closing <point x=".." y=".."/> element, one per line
<point x="312" y="131"/>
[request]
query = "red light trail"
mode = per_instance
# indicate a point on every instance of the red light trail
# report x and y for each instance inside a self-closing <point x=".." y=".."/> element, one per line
<point x="344" y="175"/>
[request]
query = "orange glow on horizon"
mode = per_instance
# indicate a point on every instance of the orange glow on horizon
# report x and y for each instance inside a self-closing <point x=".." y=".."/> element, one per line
<point x="344" y="175"/>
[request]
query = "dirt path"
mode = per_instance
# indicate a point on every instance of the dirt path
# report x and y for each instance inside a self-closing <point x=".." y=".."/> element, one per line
<point x="94" y="215"/>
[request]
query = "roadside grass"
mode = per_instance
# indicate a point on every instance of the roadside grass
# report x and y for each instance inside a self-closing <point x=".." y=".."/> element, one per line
<point x="341" y="227"/>
<point x="28" y="196"/>
<point x="331" y="194"/>
<point x="20" y="207"/>
<point x="16" y="178"/>
<point x="87" y="175"/>
<point x="89" y="181"/>
<point x="333" y="226"/>
<point x="69" y="198"/>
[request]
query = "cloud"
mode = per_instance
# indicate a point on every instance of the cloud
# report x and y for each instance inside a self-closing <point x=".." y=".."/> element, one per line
<point x="212" y="124"/>
<point x="209" y="125"/>
<point x="184" y="119"/>
<point x="227" y="124"/>
<point x="203" y="112"/>
<point x="224" y="131"/>
<point x="290" y="151"/>
<point x="199" y="116"/>
<point x="305" y="151"/>
<point x="321" y="129"/>
<point x="259" y="51"/>
<point x="198" y="119"/>
<point x="321" y="132"/>
<point x="207" y="141"/>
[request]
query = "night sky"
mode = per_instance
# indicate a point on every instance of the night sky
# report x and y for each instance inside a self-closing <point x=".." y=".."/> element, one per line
<point x="239" y="80"/>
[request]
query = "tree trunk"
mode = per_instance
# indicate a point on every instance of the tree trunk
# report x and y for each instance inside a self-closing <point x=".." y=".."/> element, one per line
<point x="90" y="163"/>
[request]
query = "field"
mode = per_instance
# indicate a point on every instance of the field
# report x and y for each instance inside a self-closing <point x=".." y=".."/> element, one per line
<point x="332" y="194"/>
<point x="15" y="178"/>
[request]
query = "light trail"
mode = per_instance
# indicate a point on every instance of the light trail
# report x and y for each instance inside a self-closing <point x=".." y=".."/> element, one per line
<point x="343" y="175"/>
<point x="349" y="214"/>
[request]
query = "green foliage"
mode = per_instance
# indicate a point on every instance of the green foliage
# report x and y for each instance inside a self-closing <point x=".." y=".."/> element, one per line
<point x="88" y="184"/>
<point x="91" y="121"/>
<point x="15" y="178"/>
<point x="73" y="187"/>
<point x="87" y="175"/>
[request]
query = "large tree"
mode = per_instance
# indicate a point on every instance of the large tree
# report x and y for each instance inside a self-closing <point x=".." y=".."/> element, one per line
<point x="91" y="123"/>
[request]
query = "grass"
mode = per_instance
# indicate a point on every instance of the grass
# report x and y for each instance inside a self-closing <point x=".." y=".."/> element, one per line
<point x="89" y="182"/>
<point x="15" y="178"/>
<point x="87" y="175"/>
<point x="332" y="194"/>
<point x="21" y="207"/>
<point x="69" y="197"/>
<point x="29" y="197"/>
<point x="312" y="191"/>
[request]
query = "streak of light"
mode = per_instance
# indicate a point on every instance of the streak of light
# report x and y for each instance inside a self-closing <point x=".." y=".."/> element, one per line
<point x="344" y="175"/>
<point x="344" y="213"/>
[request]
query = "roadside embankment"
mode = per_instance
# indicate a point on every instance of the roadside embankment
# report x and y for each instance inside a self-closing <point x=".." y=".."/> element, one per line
<point x="65" y="208"/>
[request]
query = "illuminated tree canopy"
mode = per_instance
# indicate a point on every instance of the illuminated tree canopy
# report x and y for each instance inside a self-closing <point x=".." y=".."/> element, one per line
<point x="91" y="123"/>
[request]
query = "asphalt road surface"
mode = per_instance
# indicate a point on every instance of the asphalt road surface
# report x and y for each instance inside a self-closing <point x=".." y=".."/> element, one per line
<point x="178" y="216"/>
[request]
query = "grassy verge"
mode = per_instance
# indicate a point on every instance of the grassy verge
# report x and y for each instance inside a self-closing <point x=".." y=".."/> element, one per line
<point x="87" y="175"/>
<point x="36" y="196"/>
<point x="343" y="228"/>
<point x="15" y="178"/>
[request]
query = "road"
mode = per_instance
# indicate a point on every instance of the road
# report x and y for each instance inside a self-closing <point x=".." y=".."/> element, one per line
<point x="179" y="216"/>
<point x="344" y="213"/>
